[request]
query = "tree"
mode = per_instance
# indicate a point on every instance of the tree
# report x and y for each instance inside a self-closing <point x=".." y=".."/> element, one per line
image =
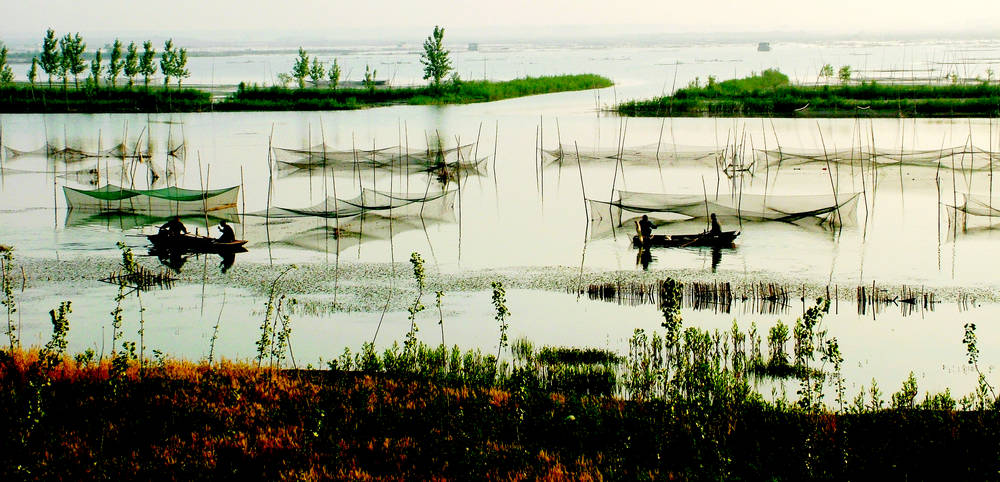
<point x="33" y="73"/>
<point x="50" y="59"/>
<point x="115" y="63"/>
<point x="284" y="78"/>
<point x="72" y="47"/>
<point x="96" y="69"/>
<point x="180" y="66"/>
<point x="147" y="63"/>
<point x="300" y="70"/>
<point x="6" y="73"/>
<point x="167" y="61"/>
<point x="334" y="74"/>
<point x="317" y="71"/>
<point x="131" y="66"/>
<point x="844" y="74"/>
<point x="826" y="72"/>
<point x="370" y="79"/>
<point x="435" y="57"/>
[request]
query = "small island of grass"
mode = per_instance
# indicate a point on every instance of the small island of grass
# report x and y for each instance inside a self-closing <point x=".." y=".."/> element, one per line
<point x="771" y="94"/>
<point x="458" y="92"/>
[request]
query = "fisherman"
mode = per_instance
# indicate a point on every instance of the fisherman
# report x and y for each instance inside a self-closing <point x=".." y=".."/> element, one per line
<point x="227" y="232"/>
<point x="645" y="229"/>
<point x="716" y="228"/>
<point x="174" y="227"/>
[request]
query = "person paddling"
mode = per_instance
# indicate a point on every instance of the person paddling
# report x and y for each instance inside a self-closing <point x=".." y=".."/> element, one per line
<point x="228" y="235"/>
<point x="174" y="227"/>
<point x="716" y="227"/>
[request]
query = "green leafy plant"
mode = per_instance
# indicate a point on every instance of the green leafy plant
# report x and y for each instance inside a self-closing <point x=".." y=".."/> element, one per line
<point x="300" y="69"/>
<point x="334" y="74"/>
<point x="410" y="344"/>
<point x="115" y="63"/>
<point x="502" y="312"/>
<point x="316" y="71"/>
<point x="7" y="285"/>
<point x="435" y="58"/>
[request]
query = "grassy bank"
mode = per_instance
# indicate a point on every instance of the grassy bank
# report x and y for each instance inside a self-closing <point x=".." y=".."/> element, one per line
<point x="463" y="92"/>
<point x="42" y="99"/>
<point x="770" y="94"/>
<point x="182" y="420"/>
<point x="26" y="99"/>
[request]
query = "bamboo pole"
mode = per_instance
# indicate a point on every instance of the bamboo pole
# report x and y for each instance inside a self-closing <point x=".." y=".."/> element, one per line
<point x="583" y="189"/>
<point x="833" y="186"/>
<point x="270" y="183"/>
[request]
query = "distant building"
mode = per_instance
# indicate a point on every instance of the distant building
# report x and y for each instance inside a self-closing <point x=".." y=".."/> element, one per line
<point x="473" y="47"/>
<point x="764" y="47"/>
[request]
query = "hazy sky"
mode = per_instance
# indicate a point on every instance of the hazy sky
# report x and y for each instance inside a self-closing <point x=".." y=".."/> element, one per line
<point x="398" y="18"/>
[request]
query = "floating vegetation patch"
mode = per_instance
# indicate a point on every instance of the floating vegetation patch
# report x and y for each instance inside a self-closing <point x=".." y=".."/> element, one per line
<point x="719" y="296"/>
<point x="875" y="300"/>
<point x="140" y="278"/>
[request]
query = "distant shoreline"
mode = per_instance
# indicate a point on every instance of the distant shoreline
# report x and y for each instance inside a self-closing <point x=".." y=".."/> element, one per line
<point x="770" y="94"/>
<point x="22" y="97"/>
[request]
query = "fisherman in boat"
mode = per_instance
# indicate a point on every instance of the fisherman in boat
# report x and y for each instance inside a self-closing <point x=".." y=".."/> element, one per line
<point x="645" y="230"/>
<point x="174" y="227"/>
<point x="716" y="227"/>
<point x="228" y="235"/>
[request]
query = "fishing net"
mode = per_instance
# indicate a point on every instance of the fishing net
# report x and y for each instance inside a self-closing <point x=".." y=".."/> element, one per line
<point x="646" y="155"/>
<point x="841" y="208"/>
<point x="119" y="151"/>
<point x="959" y="157"/>
<point x="388" y="204"/>
<point x="320" y="156"/>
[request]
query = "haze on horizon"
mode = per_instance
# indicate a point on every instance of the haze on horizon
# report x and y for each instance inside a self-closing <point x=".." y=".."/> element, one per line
<point x="256" y="21"/>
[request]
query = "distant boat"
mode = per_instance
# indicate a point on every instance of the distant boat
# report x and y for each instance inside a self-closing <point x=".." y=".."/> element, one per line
<point x="473" y="47"/>
<point x="764" y="47"/>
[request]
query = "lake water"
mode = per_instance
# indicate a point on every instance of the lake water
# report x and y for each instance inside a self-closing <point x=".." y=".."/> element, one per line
<point x="515" y="217"/>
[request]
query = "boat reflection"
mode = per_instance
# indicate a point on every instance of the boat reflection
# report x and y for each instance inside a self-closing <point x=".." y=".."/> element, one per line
<point x="175" y="259"/>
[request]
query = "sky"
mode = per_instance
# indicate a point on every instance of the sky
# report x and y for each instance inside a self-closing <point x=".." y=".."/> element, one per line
<point x="257" y="20"/>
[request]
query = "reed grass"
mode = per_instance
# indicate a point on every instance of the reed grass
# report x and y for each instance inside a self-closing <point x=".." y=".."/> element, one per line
<point x="21" y="99"/>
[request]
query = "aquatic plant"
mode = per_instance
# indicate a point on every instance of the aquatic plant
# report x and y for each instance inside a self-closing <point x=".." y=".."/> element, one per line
<point x="984" y="395"/>
<point x="269" y="345"/>
<point x="8" y="301"/>
<point x="420" y="277"/>
<point x="438" y="295"/>
<point x="502" y="312"/>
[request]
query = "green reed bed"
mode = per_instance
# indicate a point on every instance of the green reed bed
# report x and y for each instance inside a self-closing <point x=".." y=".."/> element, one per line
<point x="771" y="94"/>
<point x="460" y="92"/>
<point x="24" y="99"/>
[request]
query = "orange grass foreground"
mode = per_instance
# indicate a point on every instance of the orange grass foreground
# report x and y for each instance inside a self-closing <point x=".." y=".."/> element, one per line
<point x="74" y="420"/>
<point x="185" y="420"/>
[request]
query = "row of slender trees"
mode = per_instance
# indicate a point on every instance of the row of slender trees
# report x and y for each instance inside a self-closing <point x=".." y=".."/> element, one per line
<point x="64" y="57"/>
<point x="436" y="61"/>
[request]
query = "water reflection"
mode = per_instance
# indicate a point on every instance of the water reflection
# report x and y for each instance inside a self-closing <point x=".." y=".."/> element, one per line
<point x="175" y="259"/>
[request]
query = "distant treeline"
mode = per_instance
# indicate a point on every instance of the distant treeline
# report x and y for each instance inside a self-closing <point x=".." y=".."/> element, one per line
<point x="22" y="98"/>
<point x="771" y="94"/>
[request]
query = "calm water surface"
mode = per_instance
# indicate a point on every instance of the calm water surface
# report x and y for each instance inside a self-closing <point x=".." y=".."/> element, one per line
<point x="515" y="215"/>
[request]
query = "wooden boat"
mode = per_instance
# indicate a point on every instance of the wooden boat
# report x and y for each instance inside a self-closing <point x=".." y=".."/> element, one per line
<point x="194" y="243"/>
<point x="722" y="240"/>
